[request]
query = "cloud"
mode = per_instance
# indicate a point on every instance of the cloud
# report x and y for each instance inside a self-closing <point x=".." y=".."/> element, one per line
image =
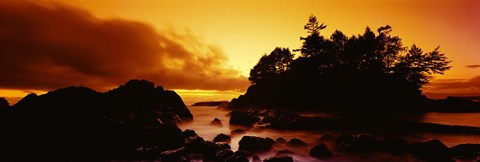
<point x="45" y="48"/>
<point x="473" y="66"/>
<point x="455" y="87"/>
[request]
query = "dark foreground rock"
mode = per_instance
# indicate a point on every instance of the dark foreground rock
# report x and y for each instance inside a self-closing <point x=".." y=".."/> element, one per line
<point x="135" y="121"/>
<point x="4" y="103"/>
<point x="295" y="142"/>
<point x="321" y="152"/>
<point x="243" y="118"/>
<point x="433" y="150"/>
<point x="238" y="132"/>
<point x="278" y="159"/>
<point x="222" y="138"/>
<point x="255" y="144"/>
<point x="465" y="151"/>
<point x="216" y="122"/>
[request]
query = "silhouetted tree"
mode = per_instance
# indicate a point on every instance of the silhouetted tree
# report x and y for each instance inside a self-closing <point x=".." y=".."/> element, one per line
<point x="372" y="69"/>
<point x="417" y="66"/>
<point x="269" y="66"/>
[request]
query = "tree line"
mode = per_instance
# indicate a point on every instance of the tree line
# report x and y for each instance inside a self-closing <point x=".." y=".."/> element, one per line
<point x="342" y="67"/>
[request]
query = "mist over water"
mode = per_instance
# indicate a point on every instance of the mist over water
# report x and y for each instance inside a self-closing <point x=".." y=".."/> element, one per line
<point x="203" y="115"/>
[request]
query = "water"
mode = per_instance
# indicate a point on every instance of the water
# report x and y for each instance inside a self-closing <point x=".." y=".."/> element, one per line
<point x="204" y="115"/>
<point x="464" y="119"/>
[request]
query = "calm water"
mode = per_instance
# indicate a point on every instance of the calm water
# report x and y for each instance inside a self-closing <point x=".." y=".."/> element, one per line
<point x="204" y="115"/>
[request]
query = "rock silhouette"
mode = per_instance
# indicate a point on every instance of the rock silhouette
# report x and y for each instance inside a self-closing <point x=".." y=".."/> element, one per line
<point x="4" y="103"/>
<point x="77" y="123"/>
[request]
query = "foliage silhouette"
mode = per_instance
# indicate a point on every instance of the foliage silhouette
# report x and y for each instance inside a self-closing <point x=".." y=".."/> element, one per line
<point x="372" y="69"/>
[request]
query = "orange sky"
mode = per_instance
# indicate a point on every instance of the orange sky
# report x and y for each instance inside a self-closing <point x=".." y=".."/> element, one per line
<point x="239" y="32"/>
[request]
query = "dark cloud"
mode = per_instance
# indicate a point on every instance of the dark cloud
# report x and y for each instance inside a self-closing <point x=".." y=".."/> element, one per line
<point x="45" y="48"/>
<point x="473" y="66"/>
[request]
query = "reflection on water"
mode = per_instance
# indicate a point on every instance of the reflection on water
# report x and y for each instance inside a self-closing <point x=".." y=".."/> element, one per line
<point x="464" y="119"/>
<point x="204" y="115"/>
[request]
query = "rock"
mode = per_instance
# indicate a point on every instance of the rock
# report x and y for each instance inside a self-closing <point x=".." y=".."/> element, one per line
<point x="364" y="144"/>
<point x="174" y="155"/>
<point x="216" y="122"/>
<point x="237" y="158"/>
<point x="4" y="103"/>
<point x="278" y="159"/>
<point x="465" y="151"/>
<point x="281" y="140"/>
<point x="222" y="138"/>
<point x="321" y="152"/>
<point x="255" y="144"/>
<point x="188" y="133"/>
<point x="135" y="121"/>
<point x="222" y="155"/>
<point x="222" y="146"/>
<point x="238" y="132"/>
<point x="256" y="159"/>
<point x="280" y="119"/>
<point x="433" y="150"/>
<point x="295" y="142"/>
<point x="242" y="118"/>
<point x="195" y="144"/>
<point x="343" y="142"/>
<point x="394" y="145"/>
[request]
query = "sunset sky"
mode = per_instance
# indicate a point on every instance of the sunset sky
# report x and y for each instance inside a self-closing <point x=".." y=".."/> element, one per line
<point x="209" y="44"/>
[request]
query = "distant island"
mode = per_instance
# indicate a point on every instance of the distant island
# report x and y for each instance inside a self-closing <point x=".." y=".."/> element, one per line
<point x="212" y="103"/>
<point x="371" y="72"/>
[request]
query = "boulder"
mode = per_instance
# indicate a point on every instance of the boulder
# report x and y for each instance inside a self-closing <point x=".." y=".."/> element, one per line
<point x="281" y="140"/>
<point x="243" y="118"/>
<point x="343" y="142"/>
<point x="238" y="132"/>
<point x="216" y="122"/>
<point x="256" y="159"/>
<point x="321" y="152"/>
<point x="295" y="142"/>
<point x="222" y="155"/>
<point x="237" y="158"/>
<point x="433" y="150"/>
<point x="364" y="144"/>
<point x="394" y="145"/>
<point x="174" y="155"/>
<point x="80" y="124"/>
<point x="4" y="103"/>
<point x="255" y="144"/>
<point x="465" y="151"/>
<point x="280" y="119"/>
<point x="222" y="138"/>
<point x="278" y="159"/>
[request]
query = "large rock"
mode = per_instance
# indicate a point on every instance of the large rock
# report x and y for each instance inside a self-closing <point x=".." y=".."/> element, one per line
<point x="280" y="119"/>
<point x="394" y="145"/>
<point x="295" y="142"/>
<point x="222" y="138"/>
<point x="216" y="122"/>
<point x="433" y="150"/>
<point x="278" y="159"/>
<point x="4" y="103"/>
<point x="80" y="124"/>
<point x="255" y="144"/>
<point x="466" y="151"/>
<point x="243" y="118"/>
<point x="321" y="152"/>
